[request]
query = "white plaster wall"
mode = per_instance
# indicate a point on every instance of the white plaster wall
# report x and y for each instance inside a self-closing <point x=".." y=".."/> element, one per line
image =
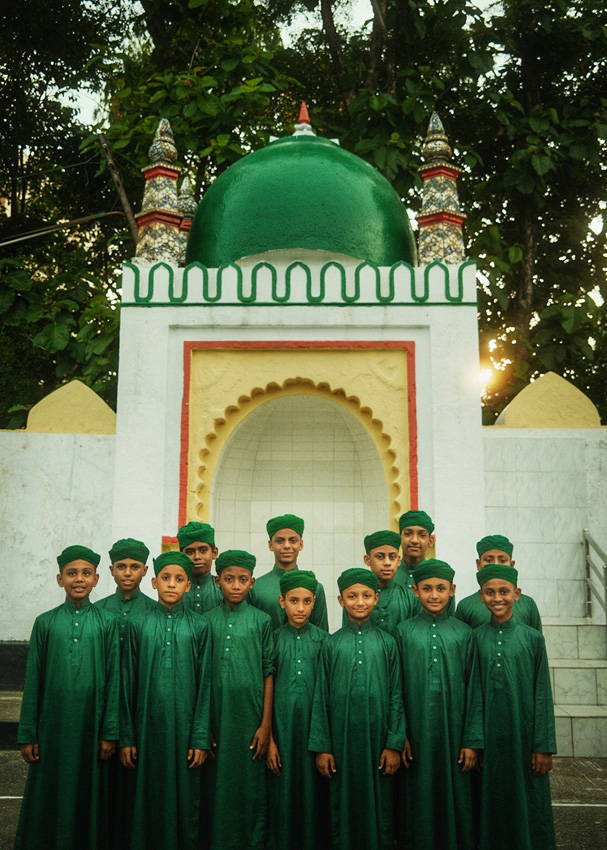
<point x="55" y="490"/>
<point x="543" y="487"/>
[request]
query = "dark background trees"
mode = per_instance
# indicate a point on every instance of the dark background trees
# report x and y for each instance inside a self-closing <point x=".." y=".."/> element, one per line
<point x="520" y="87"/>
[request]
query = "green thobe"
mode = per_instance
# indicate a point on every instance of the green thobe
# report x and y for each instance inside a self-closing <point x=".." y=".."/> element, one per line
<point x="394" y="605"/>
<point x="358" y="712"/>
<point x="516" y="812"/>
<point x="165" y="711"/>
<point x="404" y="577"/>
<point x="443" y="706"/>
<point x="121" y="780"/>
<point x="70" y="702"/>
<point x="243" y="655"/>
<point x="203" y="594"/>
<point x="294" y="797"/>
<point x="266" y="590"/>
<point x="472" y="610"/>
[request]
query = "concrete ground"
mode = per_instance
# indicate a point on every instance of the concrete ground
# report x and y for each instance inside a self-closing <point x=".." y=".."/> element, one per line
<point x="579" y="797"/>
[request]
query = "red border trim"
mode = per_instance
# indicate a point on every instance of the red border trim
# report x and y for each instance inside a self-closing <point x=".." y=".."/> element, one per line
<point x="241" y="345"/>
<point x="433" y="218"/>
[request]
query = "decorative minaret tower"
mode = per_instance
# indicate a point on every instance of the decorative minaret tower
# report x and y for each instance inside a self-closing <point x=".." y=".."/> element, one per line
<point x="187" y="207"/>
<point x="160" y="220"/>
<point x="440" y="221"/>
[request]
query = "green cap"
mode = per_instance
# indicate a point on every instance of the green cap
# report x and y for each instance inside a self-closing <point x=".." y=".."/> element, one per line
<point x="433" y="568"/>
<point x="502" y="571"/>
<point x="201" y="531"/>
<point x="382" y="538"/>
<point x="235" y="558"/>
<point x="285" y="521"/>
<point x="78" y="553"/>
<point x="174" y="559"/>
<point x="494" y="541"/>
<point x="298" y="578"/>
<point x="411" y="518"/>
<point x="357" y="575"/>
<point x="128" y="547"/>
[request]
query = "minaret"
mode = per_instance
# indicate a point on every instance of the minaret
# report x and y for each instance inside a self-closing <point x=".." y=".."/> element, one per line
<point x="187" y="206"/>
<point x="440" y="220"/>
<point x="159" y="220"/>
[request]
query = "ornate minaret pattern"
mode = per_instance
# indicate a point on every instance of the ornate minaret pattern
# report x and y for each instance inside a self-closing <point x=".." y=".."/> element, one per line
<point x="186" y="204"/>
<point x="160" y="219"/>
<point x="440" y="220"/>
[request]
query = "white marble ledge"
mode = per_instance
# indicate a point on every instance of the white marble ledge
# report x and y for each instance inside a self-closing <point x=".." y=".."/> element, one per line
<point x="567" y="621"/>
<point x="578" y="663"/>
<point x="580" y="710"/>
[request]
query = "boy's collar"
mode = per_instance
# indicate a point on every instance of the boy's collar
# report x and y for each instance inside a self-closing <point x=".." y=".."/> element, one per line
<point x="509" y="624"/>
<point x="175" y="610"/>
<point x="439" y="618"/>
<point x="71" y="606"/>
<point x="237" y="609"/>
<point x="356" y="627"/>
<point x="298" y="631"/>
<point x="134" y="595"/>
<point x="203" y="579"/>
<point x="279" y="570"/>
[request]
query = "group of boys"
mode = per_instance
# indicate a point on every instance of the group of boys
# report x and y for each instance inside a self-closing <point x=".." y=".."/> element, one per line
<point x="225" y="715"/>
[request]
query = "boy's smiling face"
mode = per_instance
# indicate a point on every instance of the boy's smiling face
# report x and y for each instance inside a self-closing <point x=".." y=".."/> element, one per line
<point x="234" y="583"/>
<point x="384" y="562"/>
<point x="172" y="583"/>
<point x="499" y="596"/>
<point x="286" y="545"/>
<point x="78" y="578"/>
<point x="359" y="600"/>
<point x="202" y="556"/>
<point x="434" y="594"/>
<point x="415" y="541"/>
<point x="297" y="604"/>
<point x="128" y="574"/>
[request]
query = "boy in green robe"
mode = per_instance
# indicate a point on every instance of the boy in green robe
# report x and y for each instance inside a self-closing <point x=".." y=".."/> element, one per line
<point x="285" y="541"/>
<point x="128" y="565"/>
<point x="69" y="715"/>
<point x="443" y="707"/>
<point x="358" y="724"/>
<point x="395" y="602"/>
<point x="243" y="684"/>
<point x="496" y="549"/>
<point x="516" y="810"/>
<point x="197" y="541"/>
<point x="165" y="730"/>
<point x="294" y="794"/>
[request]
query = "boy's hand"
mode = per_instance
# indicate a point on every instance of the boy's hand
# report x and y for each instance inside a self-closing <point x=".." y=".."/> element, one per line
<point x="325" y="764"/>
<point x="542" y="763"/>
<point x="467" y="758"/>
<point x="197" y="757"/>
<point x="128" y="756"/>
<point x="30" y="752"/>
<point x="261" y="742"/>
<point x="389" y="761"/>
<point x="105" y="749"/>
<point x="407" y="757"/>
<point x="273" y="758"/>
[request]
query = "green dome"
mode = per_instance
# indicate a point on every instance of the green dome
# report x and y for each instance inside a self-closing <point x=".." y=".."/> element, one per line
<point x="301" y="192"/>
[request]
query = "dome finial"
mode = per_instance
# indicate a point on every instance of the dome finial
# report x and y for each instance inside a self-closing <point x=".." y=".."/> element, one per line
<point x="303" y="127"/>
<point x="436" y="144"/>
<point x="304" y="118"/>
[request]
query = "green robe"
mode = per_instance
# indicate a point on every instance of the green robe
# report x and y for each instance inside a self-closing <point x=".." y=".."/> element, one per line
<point x="266" y="590"/>
<point x="70" y="702"/>
<point x="165" y="711"/>
<point x="404" y="577"/>
<point x="472" y="610"/>
<point x="121" y="780"/>
<point x="356" y="714"/>
<point x="516" y="812"/>
<point x="203" y="594"/>
<point x="243" y="655"/>
<point x="443" y="706"/>
<point x="294" y="797"/>
<point x="394" y="605"/>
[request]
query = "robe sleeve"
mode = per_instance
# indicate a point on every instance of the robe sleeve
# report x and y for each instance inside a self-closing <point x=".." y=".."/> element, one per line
<point x="109" y="730"/>
<point x="473" y="736"/>
<point x="200" y="738"/>
<point x="128" y="687"/>
<point x="267" y="648"/>
<point x="397" y="730"/>
<point x="320" y="740"/>
<point x="319" y="616"/>
<point x="34" y="682"/>
<point x="544" y="736"/>
<point x="535" y="621"/>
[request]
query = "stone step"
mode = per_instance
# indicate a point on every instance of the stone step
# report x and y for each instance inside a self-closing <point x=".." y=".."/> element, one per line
<point x="10" y="706"/>
<point x="576" y="640"/>
<point x="581" y="730"/>
<point x="578" y="682"/>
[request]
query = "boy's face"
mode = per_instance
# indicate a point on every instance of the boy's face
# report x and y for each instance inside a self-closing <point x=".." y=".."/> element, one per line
<point x="286" y="545"/>
<point x="359" y="601"/>
<point x="494" y="556"/>
<point x="128" y="574"/>
<point x="434" y="594"/>
<point x="499" y="596"/>
<point x="384" y="562"/>
<point x="415" y="542"/>
<point x="172" y="583"/>
<point x="78" y="578"/>
<point x="297" y="604"/>
<point x="202" y="556"/>
<point x="234" y="583"/>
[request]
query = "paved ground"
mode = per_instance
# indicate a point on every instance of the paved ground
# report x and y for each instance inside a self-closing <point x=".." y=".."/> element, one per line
<point x="579" y="796"/>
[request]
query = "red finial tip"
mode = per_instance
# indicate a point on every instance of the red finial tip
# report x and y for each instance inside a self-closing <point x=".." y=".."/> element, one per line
<point x="304" y="118"/>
